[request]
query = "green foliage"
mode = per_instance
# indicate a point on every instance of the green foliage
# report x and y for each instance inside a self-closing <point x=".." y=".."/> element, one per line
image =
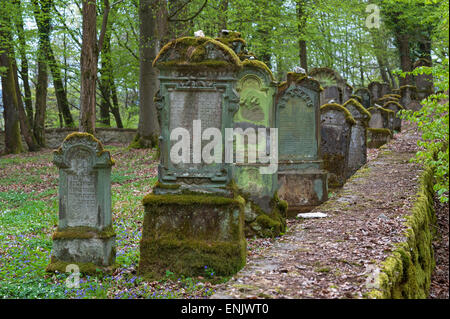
<point x="433" y="122"/>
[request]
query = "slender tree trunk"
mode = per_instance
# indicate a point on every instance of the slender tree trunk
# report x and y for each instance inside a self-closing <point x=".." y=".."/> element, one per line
<point x="223" y="7"/>
<point x="148" y="127"/>
<point x="301" y="16"/>
<point x="24" y="64"/>
<point x="13" y="140"/>
<point x="89" y="56"/>
<point x="115" y="107"/>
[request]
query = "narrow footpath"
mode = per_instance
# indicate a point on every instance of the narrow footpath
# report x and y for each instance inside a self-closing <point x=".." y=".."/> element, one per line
<point x="337" y="256"/>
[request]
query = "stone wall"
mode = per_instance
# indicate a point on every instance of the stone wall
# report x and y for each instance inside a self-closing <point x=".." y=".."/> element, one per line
<point x="55" y="136"/>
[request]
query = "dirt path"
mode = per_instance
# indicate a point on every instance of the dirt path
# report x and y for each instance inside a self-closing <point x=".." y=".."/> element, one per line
<point x="332" y="257"/>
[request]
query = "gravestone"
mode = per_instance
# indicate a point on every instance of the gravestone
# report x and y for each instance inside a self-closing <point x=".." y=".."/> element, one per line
<point x="381" y="118"/>
<point x="375" y="88"/>
<point x="85" y="235"/>
<point x="331" y="94"/>
<point x="302" y="182"/>
<point x="358" y="141"/>
<point x="364" y="94"/>
<point x="385" y="89"/>
<point x="409" y="97"/>
<point x="377" y="137"/>
<point x="336" y="127"/>
<point x="194" y="218"/>
<point x="423" y="82"/>
<point x="388" y="98"/>
<point x="256" y="87"/>
<point x="347" y="92"/>
<point x="395" y="107"/>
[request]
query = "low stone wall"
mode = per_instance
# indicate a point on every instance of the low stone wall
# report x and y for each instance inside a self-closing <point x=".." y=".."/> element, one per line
<point x="106" y="135"/>
<point x="406" y="274"/>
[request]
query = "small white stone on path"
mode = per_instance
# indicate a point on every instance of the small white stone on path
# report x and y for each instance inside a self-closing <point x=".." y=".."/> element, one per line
<point x="312" y="215"/>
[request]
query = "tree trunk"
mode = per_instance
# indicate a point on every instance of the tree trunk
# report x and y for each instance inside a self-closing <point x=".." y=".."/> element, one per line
<point x="13" y="140"/>
<point x="89" y="56"/>
<point x="405" y="58"/>
<point x="148" y="127"/>
<point x="24" y="64"/>
<point x="115" y="107"/>
<point x="301" y="16"/>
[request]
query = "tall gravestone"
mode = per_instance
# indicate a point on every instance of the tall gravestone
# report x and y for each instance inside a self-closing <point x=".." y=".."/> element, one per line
<point x="409" y="98"/>
<point x="381" y="118"/>
<point x="193" y="218"/>
<point x="385" y="89"/>
<point x="364" y="94"/>
<point x="347" y="92"/>
<point x="423" y="82"/>
<point x="85" y="235"/>
<point x="375" y="89"/>
<point x="336" y="127"/>
<point x="256" y="87"/>
<point x="358" y="141"/>
<point x="302" y="182"/>
<point x="395" y="107"/>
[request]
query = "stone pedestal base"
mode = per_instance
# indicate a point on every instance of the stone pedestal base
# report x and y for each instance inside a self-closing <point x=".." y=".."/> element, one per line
<point x="186" y="234"/>
<point x="302" y="190"/>
<point x="377" y="137"/>
<point x="89" y="249"/>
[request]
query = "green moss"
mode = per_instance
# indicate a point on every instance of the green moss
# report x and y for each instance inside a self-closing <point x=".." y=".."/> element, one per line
<point x="258" y="65"/>
<point x="359" y="106"/>
<point x="406" y="273"/>
<point x="412" y="87"/>
<point x="381" y="131"/>
<point x="84" y="232"/>
<point x="189" y="199"/>
<point x="357" y="97"/>
<point x="334" y="106"/>
<point x="395" y="103"/>
<point x="166" y="186"/>
<point x="192" y="53"/>
<point x="141" y="142"/>
<point x="85" y="268"/>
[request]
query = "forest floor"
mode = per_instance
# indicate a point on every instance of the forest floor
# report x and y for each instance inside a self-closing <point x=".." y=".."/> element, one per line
<point x="321" y="258"/>
<point x="337" y="256"/>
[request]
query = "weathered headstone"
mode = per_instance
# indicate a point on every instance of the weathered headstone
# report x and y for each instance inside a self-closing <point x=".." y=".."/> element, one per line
<point x="423" y="82"/>
<point x="336" y="127"/>
<point x="375" y="89"/>
<point x="331" y="94"/>
<point x="358" y="142"/>
<point x="377" y="137"/>
<point x="388" y="98"/>
<point x="395" y="107"/>
<point x="256" y="87"/>
<point x="385" y="89"/>
<point x="347" y="92"/>
<point x="85" y="235"/>
<point x="409" y="97"/>
<point x="381" y="118"/>
<point x="193" y="218"/>
<point x="302" y="182"/>
<point x="364" y="94"/>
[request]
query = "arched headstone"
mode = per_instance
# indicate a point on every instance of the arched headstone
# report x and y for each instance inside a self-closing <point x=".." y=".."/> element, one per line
<point x="302" y="182"/>
<point x="395" y="107"/>
<point x="85" y="235"/>
<point x="364" y="94"/>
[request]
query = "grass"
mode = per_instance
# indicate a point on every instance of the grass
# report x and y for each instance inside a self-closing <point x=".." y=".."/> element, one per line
<point x="29" y="216"/>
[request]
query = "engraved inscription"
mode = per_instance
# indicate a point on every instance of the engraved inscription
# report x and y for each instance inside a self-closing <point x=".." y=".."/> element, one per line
<point x="297" y="138"/>
<point x="81" y="191"/>
<point x="189" y="105"/>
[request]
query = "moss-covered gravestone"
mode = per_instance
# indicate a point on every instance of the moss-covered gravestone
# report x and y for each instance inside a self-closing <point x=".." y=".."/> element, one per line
<point x="377" y="137"/>
<point x="409" y="97"/>
<point x="256" y="88"/>
<point x="335" y="127"/>
<point x="395" y="107"/>
<point x="194" y="219"/>
<point x="302" y="183"/>
<point x="385" y="89"/>
<point x="364" y="94"/>
<point x="381" y="118"/>
<point x="85" y="235"/>
<point x="423" y="82"/>
<point x="357" y="156"/>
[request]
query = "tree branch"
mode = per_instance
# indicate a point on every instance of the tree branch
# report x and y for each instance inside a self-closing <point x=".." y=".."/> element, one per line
<point x="193" y="17"/>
